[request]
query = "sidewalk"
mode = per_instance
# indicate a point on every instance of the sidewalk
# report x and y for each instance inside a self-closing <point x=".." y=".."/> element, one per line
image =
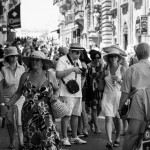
<point x="94" y="141"/>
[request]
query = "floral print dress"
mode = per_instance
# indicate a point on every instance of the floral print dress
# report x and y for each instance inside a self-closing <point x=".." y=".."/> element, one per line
<point x="37" y="122"/>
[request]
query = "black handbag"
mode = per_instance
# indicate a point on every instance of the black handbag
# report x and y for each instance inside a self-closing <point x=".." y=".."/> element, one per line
<point x="72" y="85"/>
<point x="126" y="107"/>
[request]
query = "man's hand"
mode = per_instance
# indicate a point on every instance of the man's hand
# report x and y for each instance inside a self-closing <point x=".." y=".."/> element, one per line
<point x="77" y="70"/>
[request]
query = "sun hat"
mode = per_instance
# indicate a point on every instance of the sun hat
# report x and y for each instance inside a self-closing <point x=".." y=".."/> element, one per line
<point x="63" y="50"/>
<point x="112" y="47"/>
<point x="12" y="50"/>
<point x="113" y="51"/>
<point x="38" y="54"/>
<point x="76" y="47"/>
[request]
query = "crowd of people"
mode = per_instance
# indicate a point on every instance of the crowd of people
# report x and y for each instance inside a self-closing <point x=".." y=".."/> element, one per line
<point x="32" y="78"/>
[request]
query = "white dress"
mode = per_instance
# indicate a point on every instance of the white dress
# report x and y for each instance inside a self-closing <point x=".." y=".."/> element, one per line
<point x="111" y="95"/>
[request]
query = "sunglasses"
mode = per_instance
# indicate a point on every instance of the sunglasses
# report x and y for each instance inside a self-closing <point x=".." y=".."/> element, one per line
<point x="61" y="54"/>
<point x="111" y="56"/>
<point x="76" y="52"/>
<point x="13" y="56"/>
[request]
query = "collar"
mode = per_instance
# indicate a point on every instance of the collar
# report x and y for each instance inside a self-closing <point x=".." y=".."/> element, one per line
<point x="8" y="66"/>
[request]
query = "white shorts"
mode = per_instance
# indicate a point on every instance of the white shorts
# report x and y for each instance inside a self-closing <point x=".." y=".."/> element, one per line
<point x="74" y="104"/>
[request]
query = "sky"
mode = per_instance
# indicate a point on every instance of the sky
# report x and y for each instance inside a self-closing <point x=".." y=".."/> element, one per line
<point x="39" y="15"/>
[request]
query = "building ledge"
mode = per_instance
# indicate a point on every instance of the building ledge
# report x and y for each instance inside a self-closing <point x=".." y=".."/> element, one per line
<point x="125" y="4"/>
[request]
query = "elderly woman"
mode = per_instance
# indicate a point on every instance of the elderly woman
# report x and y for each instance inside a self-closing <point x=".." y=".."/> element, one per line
<point x="137" y="76"/>
<point x="9" y="82"/>
<point x="39" y="88"/>
<point x="95" y="68"/>
<point x="113" y="74"/>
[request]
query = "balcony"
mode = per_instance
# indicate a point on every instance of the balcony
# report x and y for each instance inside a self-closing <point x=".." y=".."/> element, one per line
<point x="124" y="6"/>
<point x="125" y="3"/>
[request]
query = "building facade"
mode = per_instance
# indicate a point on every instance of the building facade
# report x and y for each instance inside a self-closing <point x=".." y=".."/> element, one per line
<point x="104" y="22"/>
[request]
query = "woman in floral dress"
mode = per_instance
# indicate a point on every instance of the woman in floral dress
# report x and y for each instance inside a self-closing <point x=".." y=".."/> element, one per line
<point x="39" y="88"/>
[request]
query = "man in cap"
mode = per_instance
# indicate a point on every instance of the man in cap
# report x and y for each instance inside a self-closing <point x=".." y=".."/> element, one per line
<point x="68" y="68"/>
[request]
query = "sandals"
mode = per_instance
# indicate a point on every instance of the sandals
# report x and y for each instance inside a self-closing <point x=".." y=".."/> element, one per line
<point x="109" y="145"/>
<point x="116" y="144"/>
<point x="82" y="134"/>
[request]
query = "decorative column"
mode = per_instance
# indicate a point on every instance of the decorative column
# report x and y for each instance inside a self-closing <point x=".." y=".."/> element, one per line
<point x="106" y="24"/>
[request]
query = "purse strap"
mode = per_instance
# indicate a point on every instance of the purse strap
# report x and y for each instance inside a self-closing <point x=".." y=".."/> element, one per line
<point x="70" y="60"/>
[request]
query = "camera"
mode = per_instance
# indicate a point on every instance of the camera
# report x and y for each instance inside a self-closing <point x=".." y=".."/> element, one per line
<point x="83" y="71"/>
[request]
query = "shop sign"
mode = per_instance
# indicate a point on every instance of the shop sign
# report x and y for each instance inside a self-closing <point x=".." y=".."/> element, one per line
<point x="143" y="25"/>
<point x="137" y="25"/>
<point x="14" y="17"/>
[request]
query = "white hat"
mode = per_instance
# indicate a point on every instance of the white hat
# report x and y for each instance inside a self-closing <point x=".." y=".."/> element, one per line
<point x="38" y="54"/>
<point x="12" y="50"/>
<point x="113" y="51"/>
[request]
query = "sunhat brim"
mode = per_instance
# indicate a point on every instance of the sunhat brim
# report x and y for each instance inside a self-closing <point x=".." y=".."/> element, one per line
<point x="13" y="54"/>
<point x="105" y="57"/>
<point x="46" y="62"/>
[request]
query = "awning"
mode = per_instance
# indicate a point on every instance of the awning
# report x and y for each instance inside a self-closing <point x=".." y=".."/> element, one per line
<point x="57" y="30"/>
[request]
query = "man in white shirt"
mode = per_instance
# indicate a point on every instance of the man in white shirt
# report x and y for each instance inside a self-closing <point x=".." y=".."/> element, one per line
<point x="68" y="68"/>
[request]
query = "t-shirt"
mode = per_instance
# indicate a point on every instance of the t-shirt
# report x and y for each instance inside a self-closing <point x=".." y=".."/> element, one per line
<point x="64" y="64"/>
<point x="137" y="76"/>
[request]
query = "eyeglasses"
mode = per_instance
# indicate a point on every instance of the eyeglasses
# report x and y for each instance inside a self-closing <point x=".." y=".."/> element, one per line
<point x="35" y="59"/>
<point x="76" y="52"/>
<point x="13" y="56"/>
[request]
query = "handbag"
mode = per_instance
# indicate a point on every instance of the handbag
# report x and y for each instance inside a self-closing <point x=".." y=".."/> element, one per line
<point x="59" y="109"/>
<point x="72" y="85"/>
<point x="126" y="107"/>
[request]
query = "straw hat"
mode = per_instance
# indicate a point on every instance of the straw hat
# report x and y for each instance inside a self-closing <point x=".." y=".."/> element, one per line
<point x="113" y="51"/>
<point x="38" y="54"/>
<point x="108" y="49"/>
<point x="12" y="50"/>
<point x="76" y="47"/>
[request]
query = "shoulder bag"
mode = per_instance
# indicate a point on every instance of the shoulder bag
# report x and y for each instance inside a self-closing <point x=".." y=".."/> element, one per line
<point x="72" y="85"/>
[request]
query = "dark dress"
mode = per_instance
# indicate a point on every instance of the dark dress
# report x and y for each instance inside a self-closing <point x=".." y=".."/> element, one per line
<point x="37" y="122"/>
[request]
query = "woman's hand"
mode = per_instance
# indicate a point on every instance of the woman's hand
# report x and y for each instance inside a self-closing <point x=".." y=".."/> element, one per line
<point x="54" y="98"/>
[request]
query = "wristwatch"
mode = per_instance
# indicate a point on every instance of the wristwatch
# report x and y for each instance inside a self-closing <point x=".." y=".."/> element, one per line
<point x="3" y="104"/>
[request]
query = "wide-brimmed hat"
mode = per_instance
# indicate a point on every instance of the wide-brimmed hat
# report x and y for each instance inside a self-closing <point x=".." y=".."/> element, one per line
<point x="12" y="50"/>
<point x="38" y="54"/>
<point x="113" y="51"/>
<point x="63" y="50"/>
<point x="76" y="47"/>
<point x="112" y="47"/>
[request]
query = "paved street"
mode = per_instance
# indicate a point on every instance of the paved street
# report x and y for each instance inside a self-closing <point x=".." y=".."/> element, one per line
<point x="94" y="142"/>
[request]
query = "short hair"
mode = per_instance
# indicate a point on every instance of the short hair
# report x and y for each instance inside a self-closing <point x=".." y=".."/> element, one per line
<point x="142" y="51"/>
<point x="93" y="54"/>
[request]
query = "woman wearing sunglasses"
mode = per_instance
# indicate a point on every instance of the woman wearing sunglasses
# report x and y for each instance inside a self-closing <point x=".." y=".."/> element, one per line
<point x="113" y="74"/>
<point x="93" y="94"/>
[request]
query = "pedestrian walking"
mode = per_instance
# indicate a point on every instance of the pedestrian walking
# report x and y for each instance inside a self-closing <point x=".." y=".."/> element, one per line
<point x="9" y="82"/>
<point x="68" y="70"/>
<point x="113" y="74"/>
<point x="39" y="88"/>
